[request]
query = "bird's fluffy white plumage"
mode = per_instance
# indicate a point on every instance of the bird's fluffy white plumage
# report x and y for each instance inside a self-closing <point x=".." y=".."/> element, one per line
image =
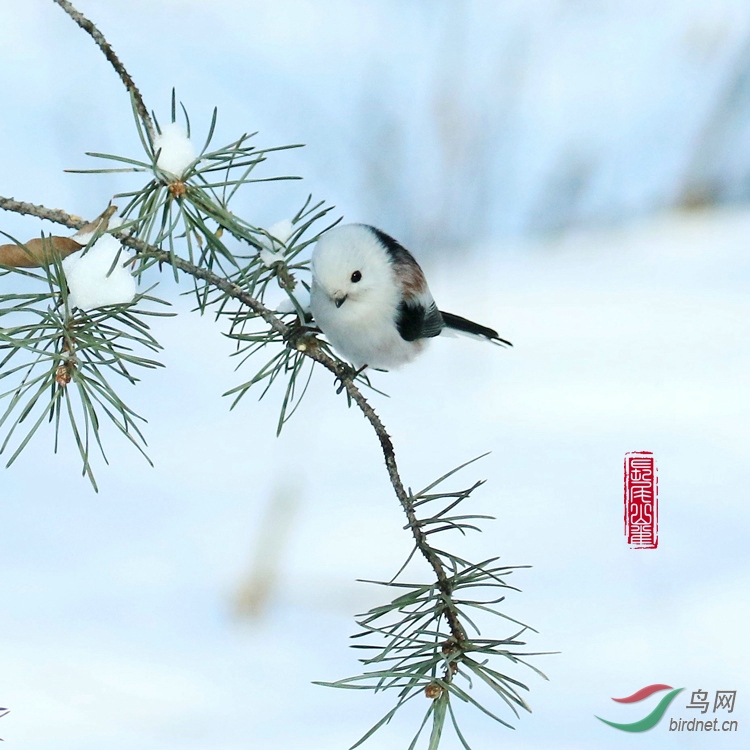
<point x="370" y="298"/>
<point x="361" y="327"/>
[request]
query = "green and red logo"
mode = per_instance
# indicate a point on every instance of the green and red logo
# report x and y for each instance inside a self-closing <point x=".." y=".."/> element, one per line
<point x="650" y="721"/>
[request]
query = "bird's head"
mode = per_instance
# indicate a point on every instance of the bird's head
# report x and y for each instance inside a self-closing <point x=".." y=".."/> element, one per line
<point x="352" y="268"/>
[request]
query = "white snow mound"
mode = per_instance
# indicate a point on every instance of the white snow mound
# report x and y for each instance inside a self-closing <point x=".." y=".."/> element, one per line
<point x="280" y="233"/>
<point x="282" y="230"/>
<point x="176" y="150"/>
<point x="303" y="298"/>
<point x="89" y="285"/>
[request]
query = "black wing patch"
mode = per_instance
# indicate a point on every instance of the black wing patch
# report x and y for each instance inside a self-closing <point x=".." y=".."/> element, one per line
<point x="398" y="253"/>
<point x="417" y="316"/>
<point x="415" y="321"/>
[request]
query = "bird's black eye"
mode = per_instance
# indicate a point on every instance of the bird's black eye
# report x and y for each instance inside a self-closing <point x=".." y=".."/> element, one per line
<point x="356" y="276"/>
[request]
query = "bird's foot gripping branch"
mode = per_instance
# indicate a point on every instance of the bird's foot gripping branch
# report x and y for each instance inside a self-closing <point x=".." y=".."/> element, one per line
<point x="74" y="314"/>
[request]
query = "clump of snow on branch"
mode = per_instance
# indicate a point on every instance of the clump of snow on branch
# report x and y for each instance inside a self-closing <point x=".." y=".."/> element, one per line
<point x="89" y="281"/>
<point x="279" y="233"/>
<point x="114" y="222"/>
<point x="176" y="151"/>
<point x="83" y="238"/>
<point x="302" y="296"/>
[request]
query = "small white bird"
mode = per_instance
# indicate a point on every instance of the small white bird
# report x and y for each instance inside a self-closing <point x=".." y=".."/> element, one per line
<point x="371" y="300"/>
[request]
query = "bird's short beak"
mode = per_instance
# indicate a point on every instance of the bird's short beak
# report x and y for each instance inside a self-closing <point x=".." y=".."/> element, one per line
<point x="338" y="301"/>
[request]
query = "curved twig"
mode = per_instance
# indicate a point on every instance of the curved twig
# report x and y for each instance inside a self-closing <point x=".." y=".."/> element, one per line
<point x="342" y="373"/>
<point x="90" y="28"/>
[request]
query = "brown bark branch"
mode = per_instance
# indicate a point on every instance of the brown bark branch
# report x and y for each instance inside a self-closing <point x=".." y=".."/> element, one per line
<point x="341" y="371"/>
<point x="89" y="27"/>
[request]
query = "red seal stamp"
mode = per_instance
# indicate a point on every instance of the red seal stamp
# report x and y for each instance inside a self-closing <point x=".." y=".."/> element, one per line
<point x="641" y="500"/>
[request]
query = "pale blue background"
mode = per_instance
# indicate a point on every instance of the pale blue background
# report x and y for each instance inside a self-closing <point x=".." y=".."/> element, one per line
<point x="534" y="157"/>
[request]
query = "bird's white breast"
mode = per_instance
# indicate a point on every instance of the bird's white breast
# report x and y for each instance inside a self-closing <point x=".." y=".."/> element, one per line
<point x="364" y="332"/>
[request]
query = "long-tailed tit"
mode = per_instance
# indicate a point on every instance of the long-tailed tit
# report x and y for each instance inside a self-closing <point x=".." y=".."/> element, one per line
<point x="371" y="300"/>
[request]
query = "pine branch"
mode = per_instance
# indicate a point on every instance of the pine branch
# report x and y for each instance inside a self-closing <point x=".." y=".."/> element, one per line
<point x="90" y="28"/>
<point x="307" y="346"/>
<point x="424" y="628"/>
<point x="55" y="215"/>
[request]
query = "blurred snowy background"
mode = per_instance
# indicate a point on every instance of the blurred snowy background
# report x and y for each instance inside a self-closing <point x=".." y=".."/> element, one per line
<point x="573" y="172"/>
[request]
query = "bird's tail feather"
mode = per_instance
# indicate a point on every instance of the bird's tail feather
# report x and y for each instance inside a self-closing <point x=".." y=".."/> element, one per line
<point x="457" y="323"/>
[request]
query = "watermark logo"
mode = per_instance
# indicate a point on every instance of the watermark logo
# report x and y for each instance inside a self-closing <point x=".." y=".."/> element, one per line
<point x="723" y="702"/>
<point x="650" y="721"/>
<point x="641" y="500"/>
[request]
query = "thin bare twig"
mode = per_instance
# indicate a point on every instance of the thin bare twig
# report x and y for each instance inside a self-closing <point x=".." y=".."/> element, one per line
<point x="342" y="373"/>
<point x="89" y="27"/>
